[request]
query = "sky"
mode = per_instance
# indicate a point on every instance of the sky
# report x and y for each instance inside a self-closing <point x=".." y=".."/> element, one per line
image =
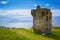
<point x="17" y="13"/>
<point x="29" y="4"/>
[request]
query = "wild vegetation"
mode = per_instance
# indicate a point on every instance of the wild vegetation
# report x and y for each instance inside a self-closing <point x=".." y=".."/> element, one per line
<point x="27" y="34"/>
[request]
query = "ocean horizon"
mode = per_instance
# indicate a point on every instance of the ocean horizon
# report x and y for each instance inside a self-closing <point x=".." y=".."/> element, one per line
<point x="23" y="22"/>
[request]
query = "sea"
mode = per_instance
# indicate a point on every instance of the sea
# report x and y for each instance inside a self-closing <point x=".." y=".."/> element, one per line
<point x="24" y="22"/>
<point x="56" y="21"/>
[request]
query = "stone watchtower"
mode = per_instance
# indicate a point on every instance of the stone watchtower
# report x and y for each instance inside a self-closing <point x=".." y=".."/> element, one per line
<point x="42" y="20"/>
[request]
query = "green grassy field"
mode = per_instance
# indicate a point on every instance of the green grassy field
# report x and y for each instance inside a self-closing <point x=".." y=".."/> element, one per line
<point x="27" y="34"/>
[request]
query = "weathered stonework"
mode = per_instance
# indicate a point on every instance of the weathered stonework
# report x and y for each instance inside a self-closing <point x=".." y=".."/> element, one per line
<point x="42" y="20"/>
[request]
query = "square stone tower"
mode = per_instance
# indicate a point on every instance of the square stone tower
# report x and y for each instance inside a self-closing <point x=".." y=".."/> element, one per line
<point x="42" y="20"/>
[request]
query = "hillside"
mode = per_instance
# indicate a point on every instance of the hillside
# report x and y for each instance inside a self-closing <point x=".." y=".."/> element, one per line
<point x="6" y="34"/>
<point x="27" y="34"/>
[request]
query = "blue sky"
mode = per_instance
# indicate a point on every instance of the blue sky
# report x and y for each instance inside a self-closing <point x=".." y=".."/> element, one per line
<point x="15" y="13"/>
<point x="29" y="4"/>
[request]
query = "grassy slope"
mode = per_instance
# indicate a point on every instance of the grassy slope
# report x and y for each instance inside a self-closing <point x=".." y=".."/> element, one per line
<point x="24" y="34"/>
<point x="6" y="34"/>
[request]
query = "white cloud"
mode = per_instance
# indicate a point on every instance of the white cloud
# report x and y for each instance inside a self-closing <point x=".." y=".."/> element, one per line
<point x="15" y="12"/>
<point x="3" y="2"/>
<point x="55" y="12"/>
<point x="36" y="4"/>
<point x="47" y="4"/>
<point x="24" y="12"/>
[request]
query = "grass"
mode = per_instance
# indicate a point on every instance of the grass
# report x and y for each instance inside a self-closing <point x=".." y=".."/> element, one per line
<point x="6" y="34"/>
<point x="27" y="34"/>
